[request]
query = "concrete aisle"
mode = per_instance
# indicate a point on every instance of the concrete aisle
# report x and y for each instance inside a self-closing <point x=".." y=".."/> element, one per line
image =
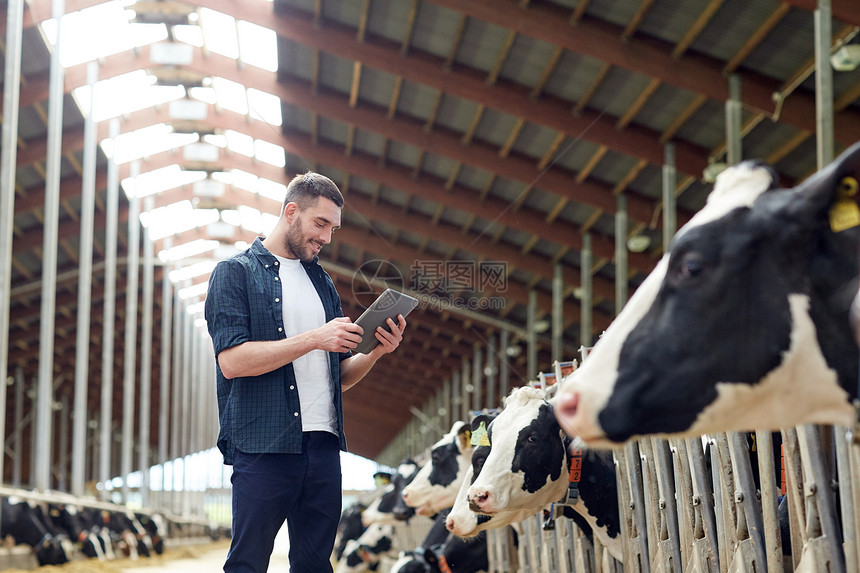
<point x="205" y="559"/>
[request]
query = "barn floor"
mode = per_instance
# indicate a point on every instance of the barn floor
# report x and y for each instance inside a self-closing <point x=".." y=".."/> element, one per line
<point x="207" y="558"/>
<point x="187" y="559"/>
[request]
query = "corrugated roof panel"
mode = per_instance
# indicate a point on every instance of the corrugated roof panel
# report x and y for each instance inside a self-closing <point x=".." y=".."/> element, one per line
<point x="617" y="92"/>
<point x="792" y="41"/>
<point x="376" y="87"/>
<point x="706" y="127"/>
<point x="369" y="142"/>
<point x="534" y="140"/>
<point x="731" y="27"/>
<point x="296" y="118"/>
<point x="481" y="45"/>
<point x="495" y="127"/>
<point x="437" y="166"/>
<point x="295" y="59"/>
<point x="345" y="11"/>
<point x="435" y="28"/>
<point x="671" y="19"/>
<point x="456" y="113"/>
<point x="335" y="72"/>
<point x="527" y="60"/>
<point x="663" y="107"/>
<point x="506" y="189"/>
<point x="403" y="153"/>
<point x="416" y="100"/>
<point x="473" y="178"/>
<point x="388" y="18"/>
<point x="331" y="130"/>
<point x="572" y="76"/>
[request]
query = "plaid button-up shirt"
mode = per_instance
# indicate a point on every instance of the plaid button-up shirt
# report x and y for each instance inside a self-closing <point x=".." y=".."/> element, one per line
<point x="262" y="414"/>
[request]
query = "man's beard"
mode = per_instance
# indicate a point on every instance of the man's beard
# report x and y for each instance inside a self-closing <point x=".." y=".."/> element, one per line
<point x="297" y="244"/>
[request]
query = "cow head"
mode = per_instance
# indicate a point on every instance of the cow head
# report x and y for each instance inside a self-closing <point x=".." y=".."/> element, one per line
<point x="435" y="486"/>
<point x="526" y="466"/>
<point x="744" y="323"/>
<point x="388" y="507"/>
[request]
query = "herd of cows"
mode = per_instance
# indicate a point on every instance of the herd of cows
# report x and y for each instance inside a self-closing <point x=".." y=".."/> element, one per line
<point x="60" y="532"/>
<point x="745" y="324"/>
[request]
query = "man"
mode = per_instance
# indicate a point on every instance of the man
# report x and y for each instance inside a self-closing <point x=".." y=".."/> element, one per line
<point x="282" y="350"/>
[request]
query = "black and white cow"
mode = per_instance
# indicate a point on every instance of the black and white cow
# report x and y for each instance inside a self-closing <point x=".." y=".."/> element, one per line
<point x="436" y="485"/>
<point x="75" y="524"/>
<point x="26" y="523"/>
<point x="454" y="555"/>
<point x="527" y="467"/>
<point x="441" y="551"/>
<point x="743" y="325"/>
<point x="388" y="507"/>
<point x="366" y="552"/>
<point x="349" y="527"/>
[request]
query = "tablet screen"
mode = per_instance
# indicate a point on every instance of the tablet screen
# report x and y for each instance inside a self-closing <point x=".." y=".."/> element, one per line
<point x="389" y="304"/>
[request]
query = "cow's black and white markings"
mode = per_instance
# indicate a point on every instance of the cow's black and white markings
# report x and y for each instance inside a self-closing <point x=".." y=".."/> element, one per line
<point x="743" y="325"/>
<point x="436" y="485"/>
<point x="26" y="523"/>
<point x="525" y="467"/>
<point x="389" y="507"/>
<point x="365" y="553"/>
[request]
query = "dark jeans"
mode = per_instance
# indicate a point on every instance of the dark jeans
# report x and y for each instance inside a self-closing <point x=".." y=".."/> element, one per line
<point x="304" y="489"/>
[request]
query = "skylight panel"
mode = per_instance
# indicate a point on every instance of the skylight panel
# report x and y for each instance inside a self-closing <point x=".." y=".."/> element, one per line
<point x="109" y="23"/>
<point x="159" y="180"/>
<point x="270" y="153"/>
<point x="240" y="143"/>
<point x="272" y="190"/>
<point x="145" y="141"/>
<point x="230" y="95"/>
<point x="258" y="46"/>
<point x="125" y="93"/>
<point x="193" y="291"/>
<point x="188" y="34"/>
<point x="189" y="249"/>
<point x="219" y="33"/>
<point x="192" y="271"/>
<point x="265" y="106"/>
<point x="176" y="218"/>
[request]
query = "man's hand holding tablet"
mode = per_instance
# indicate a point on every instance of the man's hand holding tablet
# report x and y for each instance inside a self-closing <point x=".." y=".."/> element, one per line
<point x="389" y="304"/>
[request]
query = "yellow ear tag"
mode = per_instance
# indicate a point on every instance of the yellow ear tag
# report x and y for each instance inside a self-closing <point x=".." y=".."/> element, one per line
<point x="480" y="436"/>
<point x="845" y="213"/>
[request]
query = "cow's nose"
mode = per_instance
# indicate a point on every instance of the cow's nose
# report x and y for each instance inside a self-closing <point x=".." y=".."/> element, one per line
<point x="567" y="403"/>
<point x="405" y="496"/>
<point x="449" y="524"/>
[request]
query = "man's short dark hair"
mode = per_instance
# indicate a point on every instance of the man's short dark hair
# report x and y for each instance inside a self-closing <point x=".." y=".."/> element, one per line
<point x="306" y="188"/>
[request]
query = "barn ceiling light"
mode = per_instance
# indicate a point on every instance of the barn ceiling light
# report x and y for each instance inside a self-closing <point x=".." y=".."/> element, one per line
<point x="638" y="243"/>
<point x="846" y="58"/>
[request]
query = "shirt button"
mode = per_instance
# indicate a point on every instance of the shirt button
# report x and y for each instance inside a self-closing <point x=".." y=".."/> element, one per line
<point x="292" y="387"/>
<point x="296" y="414"/>
<point x="280" y="329"/>
<point x="276" y="263"/>
<point x="276" y="278"/>
<point x="277" y="300"/>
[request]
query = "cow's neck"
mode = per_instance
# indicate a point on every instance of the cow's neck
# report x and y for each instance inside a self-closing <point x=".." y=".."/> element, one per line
<point x="833" y="287"/>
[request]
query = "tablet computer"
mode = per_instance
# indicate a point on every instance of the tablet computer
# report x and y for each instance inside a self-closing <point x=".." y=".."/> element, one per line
<point x="389" y="304"/>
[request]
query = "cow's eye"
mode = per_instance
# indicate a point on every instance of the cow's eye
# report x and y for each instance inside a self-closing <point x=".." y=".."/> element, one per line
<point x="533" y="438"/>
<point x="690" y="266"/>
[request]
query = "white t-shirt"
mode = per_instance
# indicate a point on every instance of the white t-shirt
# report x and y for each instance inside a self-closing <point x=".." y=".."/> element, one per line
<point x="303" y="311"/>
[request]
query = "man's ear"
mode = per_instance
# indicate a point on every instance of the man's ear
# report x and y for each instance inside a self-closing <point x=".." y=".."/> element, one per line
<point x="290" y="210"/>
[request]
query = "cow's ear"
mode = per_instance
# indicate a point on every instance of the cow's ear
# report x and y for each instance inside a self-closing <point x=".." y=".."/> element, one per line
<point x="833" y="191"/>
<point x="476" y="421"/>
<point x="464" y="436"/>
